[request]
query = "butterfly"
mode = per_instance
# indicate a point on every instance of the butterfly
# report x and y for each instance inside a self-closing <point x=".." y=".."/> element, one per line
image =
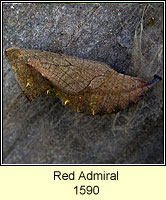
<point x="83" y="85"/>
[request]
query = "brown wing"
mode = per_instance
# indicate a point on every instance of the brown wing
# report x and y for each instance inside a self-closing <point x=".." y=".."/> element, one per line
<point x="85" y="85"/>
<point x="68" y="74"/>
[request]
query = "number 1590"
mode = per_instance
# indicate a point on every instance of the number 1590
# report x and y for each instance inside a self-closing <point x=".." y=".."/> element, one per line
<point x="87" y="189"/>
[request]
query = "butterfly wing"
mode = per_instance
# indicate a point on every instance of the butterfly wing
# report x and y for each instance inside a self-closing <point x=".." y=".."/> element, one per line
<point x="67" y="73"/>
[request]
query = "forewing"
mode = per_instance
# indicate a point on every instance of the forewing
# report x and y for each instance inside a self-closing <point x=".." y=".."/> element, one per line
<point x="69" y="74"/>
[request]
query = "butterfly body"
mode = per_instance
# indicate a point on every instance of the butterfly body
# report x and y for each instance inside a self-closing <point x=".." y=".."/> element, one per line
<point x="83" y="85"/>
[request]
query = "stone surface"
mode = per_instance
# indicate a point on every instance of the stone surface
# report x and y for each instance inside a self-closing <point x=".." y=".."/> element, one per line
<point x="129" y="38"/>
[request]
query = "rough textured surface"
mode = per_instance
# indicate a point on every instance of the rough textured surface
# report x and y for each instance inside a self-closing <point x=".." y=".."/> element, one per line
<point x="129" y="38"/>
